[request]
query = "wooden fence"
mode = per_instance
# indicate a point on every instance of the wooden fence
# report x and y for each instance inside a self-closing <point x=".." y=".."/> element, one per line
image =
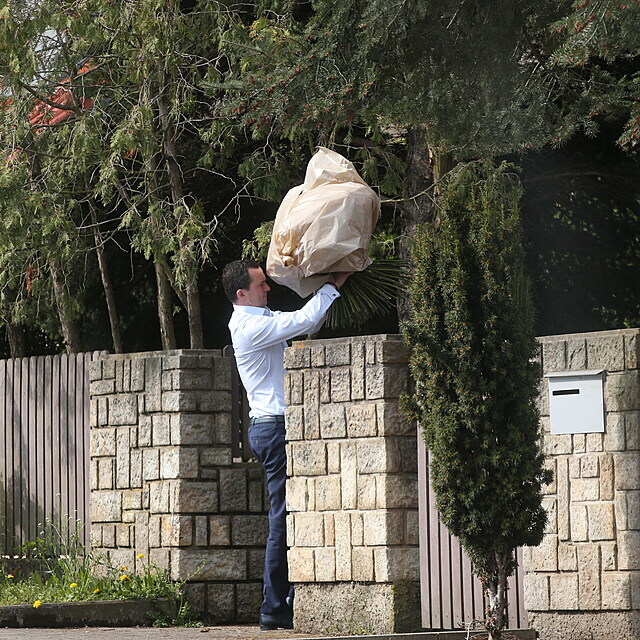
<point x="451" y="595"/>
<point x="44" y="447"/>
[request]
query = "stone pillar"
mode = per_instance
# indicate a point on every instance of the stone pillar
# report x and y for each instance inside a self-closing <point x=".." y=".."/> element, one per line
<point x="583" y="581"/>
<point x="352" y="488"/>
<point x="163" y="481"/>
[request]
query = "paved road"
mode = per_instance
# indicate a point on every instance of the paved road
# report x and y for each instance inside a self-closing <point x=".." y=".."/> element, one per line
<point x="142" y="633"/>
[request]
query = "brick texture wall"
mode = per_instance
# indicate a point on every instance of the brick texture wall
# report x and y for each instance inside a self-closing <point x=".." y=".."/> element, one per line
<point x="163" y="481"/>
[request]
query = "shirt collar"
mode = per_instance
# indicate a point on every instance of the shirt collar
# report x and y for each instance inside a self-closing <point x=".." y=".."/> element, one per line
<point x="244" y="308"/>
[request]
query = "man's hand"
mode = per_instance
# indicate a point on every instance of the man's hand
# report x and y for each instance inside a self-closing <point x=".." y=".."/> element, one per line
<point x="339" y="277"/>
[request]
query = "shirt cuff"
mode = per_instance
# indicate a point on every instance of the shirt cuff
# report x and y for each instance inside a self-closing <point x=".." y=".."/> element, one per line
<point x="329" y="290"/>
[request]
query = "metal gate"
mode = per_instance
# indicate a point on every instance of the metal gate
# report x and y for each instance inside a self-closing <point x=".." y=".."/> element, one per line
<point x="451" y="595"/>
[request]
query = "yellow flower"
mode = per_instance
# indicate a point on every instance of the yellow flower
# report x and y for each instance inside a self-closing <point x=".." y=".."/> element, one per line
<point x="37" y="604"/>
<point x="9" y="576"/>
<point x="97" y="590"/>
<point x="140" y="555"/>
<point x="123" y="568"/>
<point x="73" y="585"/>
<point x="124" y="577"/>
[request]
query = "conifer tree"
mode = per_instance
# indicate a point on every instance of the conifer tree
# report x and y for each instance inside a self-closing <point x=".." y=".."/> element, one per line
<point x="473" y="359"/>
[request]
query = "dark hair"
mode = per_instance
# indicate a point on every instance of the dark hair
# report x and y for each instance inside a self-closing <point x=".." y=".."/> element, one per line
<point x="236" y="276"/>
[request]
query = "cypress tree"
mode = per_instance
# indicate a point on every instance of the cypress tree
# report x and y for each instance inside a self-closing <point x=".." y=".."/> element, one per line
<point x="473" y="359"/>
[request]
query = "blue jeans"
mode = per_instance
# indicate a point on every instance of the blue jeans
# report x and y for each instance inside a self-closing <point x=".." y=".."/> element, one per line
<point x="267" y="442"/>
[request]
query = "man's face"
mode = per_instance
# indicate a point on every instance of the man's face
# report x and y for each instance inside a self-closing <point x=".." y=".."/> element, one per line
<point x="256" y="294"/>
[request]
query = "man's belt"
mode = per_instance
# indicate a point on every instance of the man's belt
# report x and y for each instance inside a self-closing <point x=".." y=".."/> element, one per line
<point x="263" y="419"/>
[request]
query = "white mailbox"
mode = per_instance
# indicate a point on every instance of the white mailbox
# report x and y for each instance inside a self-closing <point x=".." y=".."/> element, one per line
<point x="576" y="401"/>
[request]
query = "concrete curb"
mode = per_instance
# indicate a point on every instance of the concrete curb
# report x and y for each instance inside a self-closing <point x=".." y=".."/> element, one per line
<point x="520" y="634"/>
<point x="96" y="613"/>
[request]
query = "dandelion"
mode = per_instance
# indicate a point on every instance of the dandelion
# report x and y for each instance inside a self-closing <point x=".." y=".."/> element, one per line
<point x="140" y="555"/>
<point x="9" y="576"/>
<point x="37" y="604"/>
<point x="123" y="568"/>
<point x="124" y="577"/>
<point x="73" y="585"/>
<point x="97" y="590"/>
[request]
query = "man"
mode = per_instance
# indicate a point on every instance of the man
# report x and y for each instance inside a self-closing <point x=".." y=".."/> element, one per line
<point x="259" y="340"/>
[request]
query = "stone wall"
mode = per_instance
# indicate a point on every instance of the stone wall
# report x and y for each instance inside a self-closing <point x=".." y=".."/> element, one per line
<point x="352" y="488"/>
<point x="583" y="581"/>
<point x="163" y="482"/>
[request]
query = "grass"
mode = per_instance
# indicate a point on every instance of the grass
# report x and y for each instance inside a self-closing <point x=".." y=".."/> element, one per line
<point x="70" y="573"/>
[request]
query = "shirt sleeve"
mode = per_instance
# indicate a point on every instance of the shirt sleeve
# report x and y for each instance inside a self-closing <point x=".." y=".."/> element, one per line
<point x="265" y="331"/>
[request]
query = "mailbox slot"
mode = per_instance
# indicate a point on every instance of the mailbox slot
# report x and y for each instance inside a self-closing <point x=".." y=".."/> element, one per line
<point x="576" y="401"/>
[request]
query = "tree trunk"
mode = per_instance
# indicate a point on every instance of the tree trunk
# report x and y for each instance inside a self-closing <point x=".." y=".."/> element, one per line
<point x="114" y="321"/>
<point x="169" y="149"/>
<point x="16" y="339"/>
<point x="418" y="206"/>
<point x="70" y="331"/>
<point x="496" y="590"/>
<point x="167" y="332"/>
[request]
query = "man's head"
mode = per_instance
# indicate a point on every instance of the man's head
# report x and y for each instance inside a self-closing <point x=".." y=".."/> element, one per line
<point x="244" y="283"/>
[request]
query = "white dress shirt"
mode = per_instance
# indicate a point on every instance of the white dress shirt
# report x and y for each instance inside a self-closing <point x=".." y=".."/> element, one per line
<point x="259" y="339"/>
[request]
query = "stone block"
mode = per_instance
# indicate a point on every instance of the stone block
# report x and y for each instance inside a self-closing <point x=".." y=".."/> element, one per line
<point x="329" y="530"/>
<point x="160" y="558"/>
<point x="219" y="531"/>
<point x="102" y="387"/>
<point x="556" y="445"/>
<point x="632" y="430"/>
<point x="301" y="564"/>
<point x="332" y="421"/>
<point x="256" y="563"/>
<point x="176" y="531"/>
<point x="589" y="467"/>
<point x="297" y="356"/>
<point x="297" y="494"/>
<point x="193" y="379"/>
<point x="137" y="374"/>
<point x="536" y="592"/>
<point x="180" y="361"/>
<point x="160" y="430"/>
<point x="554" y="355"/>
<point x="631" y="351"/>
<point x="93" y="412"/>
<point x="349" y="475"/>
<point x="391" y="421"/>
<point x="579" y="523"/>
<point x="620" y="508"/>
<point x="154" y="530"/>
<point x="633" y="510"/>
<point x="177" y="401"/>
<point x="563" y="589"/>
<point x="294" y="420"/>
<point x="616" y="590"/>
<point x="220" y="603"/>
<point x="552" y="487"/>
<point x="595" y="442"/>
<point x="150" y="464"/>
<point x="105" y="473"/>
<point x="325" y="565"/>
<point x="579" y="442"/>
<point x="178" y="462"/>
<point x="109" y="536"/>
<point x="544" y="557"/>
<point x="106" y="506"/>
<point x="589" y="576"/>
<point x="585" y="489"/>
<point x="550" y="506"/>
<point x="207" y="401"/>
<point x="627" y="471"/>
<point x="324" y="384"/>
<point x="296" y="385"/>
<point x="193" y="497"/>
<point x="208" y="564"/>
<point x="338" y="354"/>
<point x="95" y="370"/>
<point x="576" y="354"/>
<point x="385" y="382"/>
<point x="396" y="563"/>
<point x="622" y="390"/>
<point x="159" y="497"/>
<point x="614" y="437"/>
<point x="340" y="384"/>
<point x="308" y="458"/>
<point x="628" y="550"/>
<point x="398" y="491"/>
<point x="357" y="529"/>
<point x="362" y="563"/>
<point x="144" y="431"/>
<point x="383" y="527"/>
<point x="606" y="477"/>
<point x="123" y="448"/>
<point x="342" y="524"/>
<point x="609" y="556"/>
<point x="233" y="489"/>
<point x="567" y="557"/>
<point x="328" y="493"/>
<point x="361" y="420"/>
<point x="605" y="352"/>
<point x="123" y="409"/>
<point x="378" y="455"/>
<point x="357" y="371"/>
<point x="391" y="352"/>
<point x="366" y="498"/>
<point x="309" y="529"/>
<point x="542" y="400"/>
<point x="562" y="481"/>
<point x="248" y="600"/>
<point x="317" y="357"/>
<point x="216" y="456"/>
<point x="192" y="428"/>
<point x="249" y="530"/>
<point x="333" y="457"/>
<point x="103" y="442"/>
